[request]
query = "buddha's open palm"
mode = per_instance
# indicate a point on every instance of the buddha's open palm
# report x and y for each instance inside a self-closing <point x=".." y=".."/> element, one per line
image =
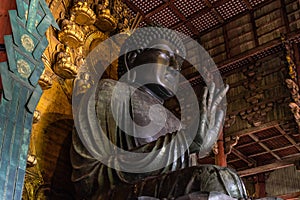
<point x="211" y="118"/>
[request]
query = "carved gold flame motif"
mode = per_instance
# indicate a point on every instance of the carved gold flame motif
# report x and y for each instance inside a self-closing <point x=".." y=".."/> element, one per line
<point x="86" y="25"/>
<point x="45" y="81"/>
<point x="36" y="116"/>
<point x="83" y="25"/>
<point x="64" y="66"/>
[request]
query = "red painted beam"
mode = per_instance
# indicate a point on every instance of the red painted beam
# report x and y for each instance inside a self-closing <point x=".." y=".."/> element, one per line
<point x="5" y="29"/>
<point x="260" y="186"/>
<point x="5" y="6"/>
<point x="3" y="56"/>
<point x="1" y="89"/>
<point x="220" y="158"/>
<point x="292" y="196"/>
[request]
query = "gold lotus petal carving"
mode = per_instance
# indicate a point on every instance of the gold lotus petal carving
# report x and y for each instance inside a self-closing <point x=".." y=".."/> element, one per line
<point x="83" y="15"/>
<point x="71" y="35"/>
<point x="106" y="22"/>
<point x="93" y="39"/>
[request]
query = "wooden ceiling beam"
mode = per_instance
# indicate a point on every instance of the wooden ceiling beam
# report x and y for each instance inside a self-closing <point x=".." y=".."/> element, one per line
<point x="233" y="160"/>
<point x="262" y="153"/>
<point x="176" y="11"/>
<point x="264" y="146"/>
<point x="196" y="14"/>
<point x="253" y="28"/>
<point x="291" y="196"/>
<point x="226" y="41"/>
<point x="134" y="7"/>
<point x="199" y="13"/>
<point x="237" y="16"/>
<point x="251" y="162"/>
<point x="263" y="140"/>
<point x="267" y="101"/>
<point x="157" y="9"/>
<point x="251" y="53"/>
<point x="278" y="149"/>
<point x="183" y="18"/>
<point x="265" y="168"/>
<point x="284" y="16"/>
<point x="251" y="130"/>
<point x="214" y="10"/>
<point x="288" y="137"/>
<point x="247" y="3"/>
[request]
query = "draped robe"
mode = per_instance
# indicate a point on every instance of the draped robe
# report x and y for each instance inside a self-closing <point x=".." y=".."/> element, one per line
<point x="95" y="180"/>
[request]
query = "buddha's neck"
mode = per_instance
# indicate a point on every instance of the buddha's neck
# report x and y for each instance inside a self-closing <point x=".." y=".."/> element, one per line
<point x="150" y="92"/>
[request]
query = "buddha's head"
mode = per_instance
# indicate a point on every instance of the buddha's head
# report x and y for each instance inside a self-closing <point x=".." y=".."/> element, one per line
<point x="152" y="56"/>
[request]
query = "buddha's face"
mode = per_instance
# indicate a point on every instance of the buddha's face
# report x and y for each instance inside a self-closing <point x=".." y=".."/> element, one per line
<point x="162" y="70"/>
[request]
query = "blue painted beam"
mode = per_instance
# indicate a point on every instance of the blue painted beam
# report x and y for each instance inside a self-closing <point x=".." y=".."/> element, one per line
<point x="20" y="93"/>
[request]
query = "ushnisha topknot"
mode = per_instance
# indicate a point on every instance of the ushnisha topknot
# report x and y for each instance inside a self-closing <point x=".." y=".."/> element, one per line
<point x="144" y="38"/>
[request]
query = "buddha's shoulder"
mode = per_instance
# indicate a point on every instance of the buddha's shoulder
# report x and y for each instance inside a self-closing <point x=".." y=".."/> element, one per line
<point x="107" y="83"/>
<point x="110" y="87"/>
<point x="110" y="84"/>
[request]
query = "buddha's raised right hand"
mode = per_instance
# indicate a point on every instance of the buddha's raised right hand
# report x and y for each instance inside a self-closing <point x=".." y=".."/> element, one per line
<point x="211" y="118"/>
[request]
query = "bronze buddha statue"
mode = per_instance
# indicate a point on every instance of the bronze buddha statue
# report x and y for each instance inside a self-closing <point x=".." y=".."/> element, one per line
<point x="177" y="179"/>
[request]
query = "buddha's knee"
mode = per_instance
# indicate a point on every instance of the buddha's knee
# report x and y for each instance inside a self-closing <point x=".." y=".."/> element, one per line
<point x="220" y="179"/>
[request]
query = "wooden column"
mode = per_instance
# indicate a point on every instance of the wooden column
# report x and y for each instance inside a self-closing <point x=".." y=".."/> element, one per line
<point x="220" y="158"/>
<point x="260" y="186"/>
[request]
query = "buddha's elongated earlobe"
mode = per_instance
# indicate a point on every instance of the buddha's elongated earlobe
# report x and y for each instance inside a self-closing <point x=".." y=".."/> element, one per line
<point x="131" y="76"/>
<point x="129" y="59"/>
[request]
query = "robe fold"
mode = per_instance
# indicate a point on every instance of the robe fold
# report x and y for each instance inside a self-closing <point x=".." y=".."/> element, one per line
<point x="125" y="139"/>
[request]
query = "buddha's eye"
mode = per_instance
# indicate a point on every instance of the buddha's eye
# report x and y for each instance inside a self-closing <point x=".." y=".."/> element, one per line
<point x="165" y="55"/>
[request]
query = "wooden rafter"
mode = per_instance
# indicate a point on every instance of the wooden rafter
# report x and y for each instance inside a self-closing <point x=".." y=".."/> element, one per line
<point x="264" y="146"/>
<point x="288" y="137"/>
<point x="291" y="196"/>
<point x="236" y="16"/>
<point x="262" y="140"/>
<point x="226" y="41"/>
<point x="265" y="168"/>
<point x="183" y="18"/>
<point x="255" y="129"/>
<point x="222" y="15"/>
<point x="157" y="9"/>
<point x="134" y="8"/>
<point x="253" y="28"/>
<point x="199" y="13"/>
<point x="262" y="153"/>
<point x="249" y="161"/>
<point x="249" y="7"/>
<point x="284" y="16"/>
<point x="209" y="5"/>
<point x="277" y="149"/>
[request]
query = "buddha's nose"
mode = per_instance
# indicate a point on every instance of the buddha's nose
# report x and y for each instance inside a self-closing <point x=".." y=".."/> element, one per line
<point x="174" y="63"/>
